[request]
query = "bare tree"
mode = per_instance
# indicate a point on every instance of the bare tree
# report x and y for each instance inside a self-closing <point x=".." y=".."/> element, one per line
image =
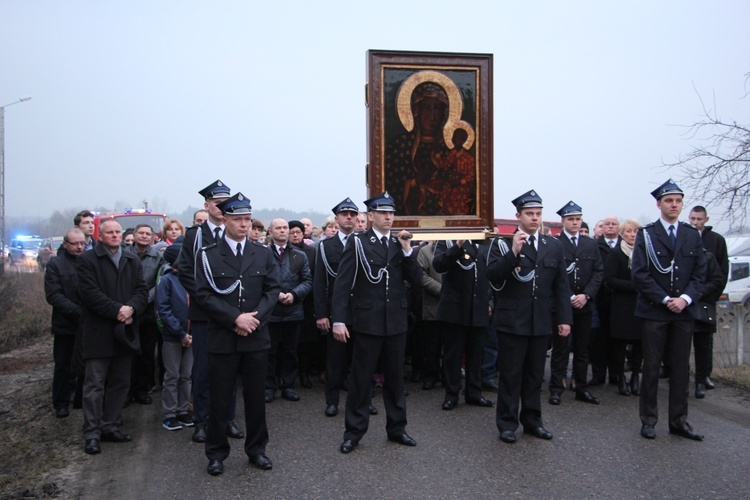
<point x="717" y="170"/>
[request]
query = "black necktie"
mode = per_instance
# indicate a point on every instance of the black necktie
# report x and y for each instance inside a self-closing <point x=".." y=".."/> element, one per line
<point x="573" y="239"/>
<point x="672" y="237"/>
<point x="217" y="232"/>
<point x="384" y="241"/>
<point x="531" y="241"/>
<point x="239" y="253"/>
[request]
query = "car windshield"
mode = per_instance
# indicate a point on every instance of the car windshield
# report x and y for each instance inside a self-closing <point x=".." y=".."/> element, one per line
<point x="29" y="244"/>
<point x="130" y="221"/>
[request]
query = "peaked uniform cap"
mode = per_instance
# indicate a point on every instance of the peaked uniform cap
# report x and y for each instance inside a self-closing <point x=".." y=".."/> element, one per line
<point x="668" y="187"/>
<point x="216" y="190"/>
<point x="381" y="203"/>
<point x="345" y="206"/>
<point x="238" y="204"/>
<point x="529" y="199"/>
<point x="570" y="208"/>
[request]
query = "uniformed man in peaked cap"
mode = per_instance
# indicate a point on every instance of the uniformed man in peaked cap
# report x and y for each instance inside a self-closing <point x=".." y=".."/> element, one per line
<point x="370" y="295"/>
<point x="237" y="285"/>
<point x="668" y="269"/>
<point x="585" y="273"/>
<point x="207" y="233"/>
<point x="530" y="280"/>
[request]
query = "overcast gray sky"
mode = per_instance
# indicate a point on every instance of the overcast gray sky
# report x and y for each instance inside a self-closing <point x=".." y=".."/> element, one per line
<point x="152" y="100"/>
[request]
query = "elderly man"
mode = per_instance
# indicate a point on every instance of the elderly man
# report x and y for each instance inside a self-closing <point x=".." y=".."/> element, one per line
<point x="370" y="296"/>
<point x="237" y="286"/>
<point x="111" y="281"/>
<point x="669" y="270"/>
<point x="61" y="291"/>
<point x="295" y="281"/>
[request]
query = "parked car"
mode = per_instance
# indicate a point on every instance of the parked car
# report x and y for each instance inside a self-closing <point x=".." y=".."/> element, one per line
<point x="47" y="249"/>
<point x="737" y="290"/>
<point x="23" y="250"/>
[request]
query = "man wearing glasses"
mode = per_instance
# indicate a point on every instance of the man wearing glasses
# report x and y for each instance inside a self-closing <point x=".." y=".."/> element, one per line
<point x="61" y="290"/>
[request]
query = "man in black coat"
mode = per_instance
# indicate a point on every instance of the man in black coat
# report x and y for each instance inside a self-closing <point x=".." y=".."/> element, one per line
<point x="196" y="237"/>
<point x="464" y="313"/>
<point x="237" y="285"/>
<point x="61" y="291"/>
<point x="602" y="352"/>
<point x="715" y="244"/>
<point x="585" y="271"/>
<point x="668" y="269"/>
<point x="371" y="296"/>
<point x="113" y="296"/>
<point x="530" y="281"/>
<point x="327" y="261"/>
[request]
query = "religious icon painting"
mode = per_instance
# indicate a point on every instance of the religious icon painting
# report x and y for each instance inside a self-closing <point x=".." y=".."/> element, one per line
<point x="430" y="137"/>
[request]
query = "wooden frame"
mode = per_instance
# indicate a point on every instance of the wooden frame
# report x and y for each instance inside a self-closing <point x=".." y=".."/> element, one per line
<point x="429" y="123"/>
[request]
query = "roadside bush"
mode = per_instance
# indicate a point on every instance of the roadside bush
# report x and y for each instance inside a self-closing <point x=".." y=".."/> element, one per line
<point x="24" y="312"/>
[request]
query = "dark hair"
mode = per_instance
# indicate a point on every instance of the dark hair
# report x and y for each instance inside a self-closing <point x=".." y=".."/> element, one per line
<point x="257" y="224"/>
<point x="143" y="225"/>
<point x="699" y="208"/>
<point x="80" y="215"/>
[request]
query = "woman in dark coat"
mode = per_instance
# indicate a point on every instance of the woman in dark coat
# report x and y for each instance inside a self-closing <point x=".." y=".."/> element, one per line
<point x="625" y="328"/>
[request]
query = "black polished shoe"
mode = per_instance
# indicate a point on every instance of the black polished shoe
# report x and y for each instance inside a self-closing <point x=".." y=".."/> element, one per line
<point x="116" y="437"/>
<point x="233" y="431"/>
<point x="480" y="401"/>
<point x="587" y="397"/>
<point x="700" y="391"/>
<point x="347" y="446"/>
<point x="508" y="437"/>
<point x="92" y="446"/>
<point x="428" y="385"/>
<point x="538" y="432"/>
<point x="554" y="398"/>
<point x="635" y="384"/>
<point x="622" y="387"/>
<point x="262" y="462"/>
<point x="143" y="399"/>
<point x="305" y="381"/>
<point x="215" y="467"/>
<point x="332" y="410"/>
<point x="269" y="395"/>
<point x="403" y="439"/>
<point x="709" y="383"/>
<point x="449" y="404"/>
<point x="648" y="431"/>
<point x="289" y="394"/>
<point x="372" y="410"/>
<point x="199" y="434"/>
<point x="62" y="412"/>
<point x="686" y="431"/>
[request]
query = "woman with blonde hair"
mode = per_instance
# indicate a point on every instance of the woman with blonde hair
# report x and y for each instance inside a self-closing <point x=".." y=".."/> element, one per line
<point x="625" y="328"/>
<point x="172" y="230"/>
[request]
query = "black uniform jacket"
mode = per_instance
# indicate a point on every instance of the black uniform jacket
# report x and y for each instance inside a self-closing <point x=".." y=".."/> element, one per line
<point x="259" y="291"/>
<point x="587" y="273"/>
<point x="104" y="289"/>
<point x="525" y="307"/>
<point x="374" y="308"/>
<point x="327" y="261"/>
<point x="61" y="291"/>
<point x="465" y="294"/>
<point x="186" y="263"/>
<point x="687" y="275"/>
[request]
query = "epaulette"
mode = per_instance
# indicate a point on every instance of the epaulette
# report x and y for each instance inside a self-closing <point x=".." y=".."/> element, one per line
<point x="687" y="224"/>
<point x="650" y="224"/>
<point x="194" y="226"/>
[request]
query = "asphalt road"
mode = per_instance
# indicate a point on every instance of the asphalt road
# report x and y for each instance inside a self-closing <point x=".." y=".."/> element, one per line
<point x="596" y="452"/>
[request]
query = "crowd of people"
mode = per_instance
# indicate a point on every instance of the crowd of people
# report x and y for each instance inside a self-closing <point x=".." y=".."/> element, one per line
<point x="230" y="300"/>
